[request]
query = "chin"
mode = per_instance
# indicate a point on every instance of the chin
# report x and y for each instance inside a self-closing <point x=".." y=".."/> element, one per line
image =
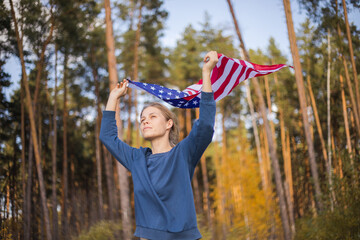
<point x="147" y="137"/>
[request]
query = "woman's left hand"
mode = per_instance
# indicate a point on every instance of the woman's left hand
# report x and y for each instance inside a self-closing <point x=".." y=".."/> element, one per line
<point x="210" y="60"/>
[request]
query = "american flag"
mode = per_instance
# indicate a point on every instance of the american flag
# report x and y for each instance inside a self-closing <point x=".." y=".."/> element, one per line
<point x="225" y="76"/>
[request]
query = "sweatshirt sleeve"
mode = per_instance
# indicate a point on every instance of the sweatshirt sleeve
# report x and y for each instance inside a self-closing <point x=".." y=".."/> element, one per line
<point x="203" y="129"/>
<point x="108" y="136"/>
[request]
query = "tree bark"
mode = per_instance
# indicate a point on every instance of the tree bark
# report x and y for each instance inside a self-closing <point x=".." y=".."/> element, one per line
<point x="26" y="225"/>
<point x="40" y="63"/>
<point x="273" y="155"/>
<point x="195" y="179"/>
<point x="268" y="98"/>
<point x="113" y="79"/>
<point x="220" y="189"/>
<point x="316" y="115"/>
<point x="285" y="148"/>
<point x="206" y="204"/>
<point x="347" y="77"/>
<point x="53" y="157"/>
<point x="347" y="132"/>
<point x="64" y="213"/>
<point x="329" y="165"/>
<point x="348" y="34"/>
<point x="302" y="100"/>
<point x="136" y="69"/>
<point x="97" y="140"/>
<point x="33" y="129"/>
<point x="346" y="121"/>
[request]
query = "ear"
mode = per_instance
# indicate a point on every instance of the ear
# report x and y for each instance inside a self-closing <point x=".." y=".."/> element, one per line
<point x="169" y="124"/>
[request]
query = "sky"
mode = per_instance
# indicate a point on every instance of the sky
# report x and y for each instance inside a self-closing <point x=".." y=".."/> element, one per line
<point x="258" y="20"/>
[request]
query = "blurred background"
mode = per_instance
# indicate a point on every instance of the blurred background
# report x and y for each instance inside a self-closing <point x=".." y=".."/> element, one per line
<point x="284" y="160"/>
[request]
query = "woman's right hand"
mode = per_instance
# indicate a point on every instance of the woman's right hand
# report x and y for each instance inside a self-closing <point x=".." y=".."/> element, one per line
<point x="120" y="89"/>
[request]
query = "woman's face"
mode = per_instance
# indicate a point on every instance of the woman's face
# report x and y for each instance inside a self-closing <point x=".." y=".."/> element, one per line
<point x="153" y="124"/>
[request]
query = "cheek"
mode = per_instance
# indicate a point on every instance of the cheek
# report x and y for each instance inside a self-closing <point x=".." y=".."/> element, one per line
<point x="160" y="124"/>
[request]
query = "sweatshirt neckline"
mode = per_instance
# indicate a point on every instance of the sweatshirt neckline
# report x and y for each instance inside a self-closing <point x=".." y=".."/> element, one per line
<point x="161" y="154"/>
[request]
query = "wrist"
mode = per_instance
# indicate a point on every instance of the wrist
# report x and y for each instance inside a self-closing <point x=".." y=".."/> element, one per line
<point x="206" y="71"/>
<point x="113" y="97"/>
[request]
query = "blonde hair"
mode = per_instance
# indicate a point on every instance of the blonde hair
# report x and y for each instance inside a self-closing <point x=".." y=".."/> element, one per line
<point x="174" y="131"/>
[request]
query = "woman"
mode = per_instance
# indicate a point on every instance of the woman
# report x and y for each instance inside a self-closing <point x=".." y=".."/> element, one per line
<point x="164" y="204"/>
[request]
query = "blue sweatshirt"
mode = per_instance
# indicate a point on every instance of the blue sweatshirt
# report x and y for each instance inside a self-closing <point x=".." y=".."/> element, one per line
<point x="164" y="203"/>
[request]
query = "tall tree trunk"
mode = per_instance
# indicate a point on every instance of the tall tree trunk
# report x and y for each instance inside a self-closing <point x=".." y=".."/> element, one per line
<point x="256" y="135"/>
<point x="113" y="78"/>
<point x="29" y="191"/>
<point x="302" y="100"/>
<point x="12" y="184"/>
<point x="181" y="123"/>
<point x="268" y="98"/>
<point x="347" y="77"/>
<point x="136" y="69"/>
<point x="64" y="213"/>
<point x="196" y="191"/>
<point x="267" y="164"/>
<point x="110" y="46"/>
<point x="348" y="34"/>
<point x="346" y="121"/>
<point x="124" y="193"/>
<point x="329" y="168"/>
<point x="40" y="63"/>
<point x="97" y="140"/>
<point x="206" y="201"/>
<point x="285" y="148"/>
<point x="109" y="182"/>
<point x="220" y="189"/>
<point x="33" y="129"/>
<point x="53" y="156"/>
<point x="274" y="158"/>
<point x="195" y="181"/>
<point x="130" y="125"/>
<point x="26" y="225"/>
<point x="352" y="97"/>
<point x="289" y="181"/>
<point x="316" y="115"/>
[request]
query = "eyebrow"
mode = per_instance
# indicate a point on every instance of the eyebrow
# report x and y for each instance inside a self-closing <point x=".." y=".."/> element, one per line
<point x="152" y="113"/>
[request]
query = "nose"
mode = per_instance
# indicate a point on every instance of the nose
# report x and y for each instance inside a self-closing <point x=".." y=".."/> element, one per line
<point x="146" y="121"/>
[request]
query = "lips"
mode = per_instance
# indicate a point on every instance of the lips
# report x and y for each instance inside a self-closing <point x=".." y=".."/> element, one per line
<point x="146" y="128"/>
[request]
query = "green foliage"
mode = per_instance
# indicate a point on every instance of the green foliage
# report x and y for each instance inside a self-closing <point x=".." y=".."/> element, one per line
<point x="342" y="223"/>
<point x="152" y="64"/>
<point x="185" y="59"/>
<point x="100" y="231"/>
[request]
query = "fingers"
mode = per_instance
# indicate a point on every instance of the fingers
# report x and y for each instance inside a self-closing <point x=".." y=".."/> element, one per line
<point x="212" y="55"/>
<point x="123" y="83"/>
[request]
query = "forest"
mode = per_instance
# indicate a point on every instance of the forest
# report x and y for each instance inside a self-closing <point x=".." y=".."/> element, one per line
<point x="285" y="158"/>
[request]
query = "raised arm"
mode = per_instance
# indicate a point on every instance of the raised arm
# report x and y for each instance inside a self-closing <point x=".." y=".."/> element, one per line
<point x="203" y="129"/>
<point x="210" y="60"/>
<point x="108" y="132"/>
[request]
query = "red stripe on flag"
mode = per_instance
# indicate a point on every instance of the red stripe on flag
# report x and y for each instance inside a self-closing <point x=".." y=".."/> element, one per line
<point x="238" y="79"/>
<point x="227" y="81"/>
<point x="220" y="70"/>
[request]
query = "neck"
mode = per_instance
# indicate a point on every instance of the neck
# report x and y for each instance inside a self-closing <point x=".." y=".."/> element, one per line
<point x="160" y="145"/>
